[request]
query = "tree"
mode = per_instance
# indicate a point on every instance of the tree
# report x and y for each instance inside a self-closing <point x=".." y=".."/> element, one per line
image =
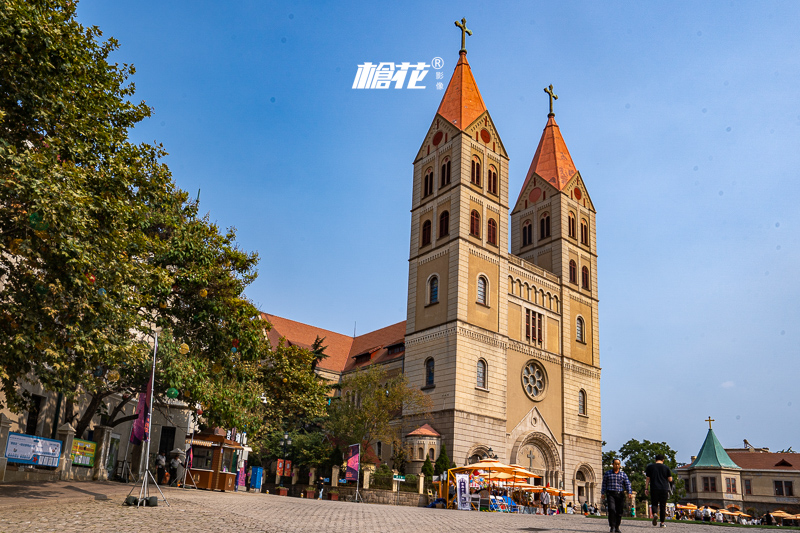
<point x="400" y="455"/>
<point x="319" y="351"/>
<point x="427" y="467"/>
<point x="608" y="458"/>
<point x="442" y="462"/>
<point x="370" y="406"/>
<point x="635" y="457"/>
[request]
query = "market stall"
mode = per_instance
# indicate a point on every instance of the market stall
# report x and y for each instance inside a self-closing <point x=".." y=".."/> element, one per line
<point x="213" y="460"/>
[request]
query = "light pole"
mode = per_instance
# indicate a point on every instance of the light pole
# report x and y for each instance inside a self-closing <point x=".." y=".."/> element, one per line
<point x="285" y="442"/>
<point x="491" y="454"/>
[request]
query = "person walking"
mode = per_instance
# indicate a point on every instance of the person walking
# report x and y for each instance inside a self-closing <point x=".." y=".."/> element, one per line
<point x="161" y="464"/>
<point x="320" y="486"/>
<point x="656" y="485"/>
<point x="615" y="485"/>
<point x="174" y="463"/>
<point x="545" y="497"/>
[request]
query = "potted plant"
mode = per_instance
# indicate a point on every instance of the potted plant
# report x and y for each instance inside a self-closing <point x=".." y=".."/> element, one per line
<point x="310" y="492"/>
<point x="334" y="494"/>
<point x="281" y="491"/>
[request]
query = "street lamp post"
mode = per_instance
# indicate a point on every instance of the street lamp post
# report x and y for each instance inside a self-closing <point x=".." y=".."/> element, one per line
<point x="285" y="442"/>
<point x="491" y="454"/>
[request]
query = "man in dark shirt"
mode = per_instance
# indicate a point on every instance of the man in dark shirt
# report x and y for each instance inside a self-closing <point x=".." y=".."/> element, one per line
<point x="615" y="485"/>
<point x="657" y="484"/>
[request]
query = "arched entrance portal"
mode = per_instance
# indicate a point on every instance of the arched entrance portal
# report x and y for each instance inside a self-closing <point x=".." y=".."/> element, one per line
<point x="539" y="454"/>
<point x="583" y="484"/>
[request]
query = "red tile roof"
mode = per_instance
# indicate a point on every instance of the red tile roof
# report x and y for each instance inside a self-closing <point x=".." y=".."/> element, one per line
<point x="766" y="460"/>
<point x="462" y="102"/>
<point x="424" y="430"/>
<point x="341" y="349"/>
<point x="551" y="161"/>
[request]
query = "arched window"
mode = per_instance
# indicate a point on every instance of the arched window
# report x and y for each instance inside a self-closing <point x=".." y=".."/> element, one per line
<point x="581" y="405"/>
<point x="433" y="290"/>
<point x="492" y="179"/>
<point x="475" y="224"/>
<point x="426" y="233"/>
<point x="476" y="171"/>
<point x="432" y="454"/>
<point x="544" y="226"/>
<point x="584" y="231"/>
<point x="573" y="272"/>
<point x="429" y="372"/>
<point x="444" y="224"/>
<point x="491" y="234"/>
<point x="481" y="374"/>
<point x="580" y="476"/>
<point x="428" y="183"/>
<point x="421" y="454"/>
<point x="527" y="233"/>
<point x="445" y="177"/>
<point x="579" y="326"/>
<point x="482" y="286"/>
<point x="585" y="277"/>
<point x="571" y="224"/>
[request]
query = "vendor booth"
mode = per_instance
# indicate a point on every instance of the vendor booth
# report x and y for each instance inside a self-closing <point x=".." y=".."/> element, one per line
<point x="213" y="460"/>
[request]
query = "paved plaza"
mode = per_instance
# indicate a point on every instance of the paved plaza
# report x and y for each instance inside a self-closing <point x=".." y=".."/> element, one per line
<point x="81" y="507"/>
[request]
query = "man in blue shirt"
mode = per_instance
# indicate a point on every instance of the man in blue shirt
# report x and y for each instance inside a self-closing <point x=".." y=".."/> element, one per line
<point x="615" y="484"/>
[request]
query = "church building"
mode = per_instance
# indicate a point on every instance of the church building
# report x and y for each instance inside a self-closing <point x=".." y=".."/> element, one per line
<point x="502" y="322"/>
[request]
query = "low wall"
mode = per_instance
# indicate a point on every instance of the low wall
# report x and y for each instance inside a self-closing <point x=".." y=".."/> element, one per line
<point x="385" y="497"/>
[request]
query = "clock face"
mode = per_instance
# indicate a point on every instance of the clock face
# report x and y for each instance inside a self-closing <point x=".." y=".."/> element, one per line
<point x="535" y="195"/>
<point x="577" y="193"/>
<point x="485" y="135"/>
<point x="437" y="138"/>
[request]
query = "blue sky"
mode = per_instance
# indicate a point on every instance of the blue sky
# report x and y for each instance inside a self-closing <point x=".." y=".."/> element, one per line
<point x="683" y="118"/>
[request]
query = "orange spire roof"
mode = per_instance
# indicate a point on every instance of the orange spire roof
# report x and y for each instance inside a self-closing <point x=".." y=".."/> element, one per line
<point x="462" y="102"/>
<point x="551" y="161"/>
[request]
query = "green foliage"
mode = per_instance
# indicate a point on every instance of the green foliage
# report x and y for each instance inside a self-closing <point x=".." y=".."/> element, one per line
<point x="370" y="401"/>
<point x="400" y="455"/>
<point x="427" y="467"/>
<point x="608" y="458"/>
<point x="635" y="457"/>
<point x="442" y="462"/>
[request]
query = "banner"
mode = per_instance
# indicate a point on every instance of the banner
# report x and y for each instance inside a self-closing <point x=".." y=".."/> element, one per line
<point x="140" y="432"/>
<point x="352" y="463"/>
<point x="287" y="468"/>
<point x="83" y="452"/>
<point x="31" y="450"/>
<point x="280" y="467"/>
<point x="462" y="491"/>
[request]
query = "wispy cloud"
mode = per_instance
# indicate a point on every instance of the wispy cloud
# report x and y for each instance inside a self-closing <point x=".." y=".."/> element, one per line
<point x="727" y="384"/>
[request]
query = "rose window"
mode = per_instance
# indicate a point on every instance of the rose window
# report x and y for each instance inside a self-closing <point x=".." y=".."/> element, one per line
<point x="534" y="380"/>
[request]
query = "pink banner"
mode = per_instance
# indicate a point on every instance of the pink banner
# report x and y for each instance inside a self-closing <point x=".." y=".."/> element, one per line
<point x="352" y="463"/>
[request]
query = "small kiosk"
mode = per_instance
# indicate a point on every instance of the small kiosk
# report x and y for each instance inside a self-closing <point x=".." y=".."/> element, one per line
<point x="214" y="460"/>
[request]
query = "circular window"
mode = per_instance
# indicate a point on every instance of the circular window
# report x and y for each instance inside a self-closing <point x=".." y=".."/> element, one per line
<point x="534" y="380"/>
<point x="438" y="138"/>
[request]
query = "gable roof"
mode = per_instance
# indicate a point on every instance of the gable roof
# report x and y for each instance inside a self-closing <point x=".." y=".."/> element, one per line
<point x="377" y="344"/>
<point x="424" y="430"/>
<point x="552" y="161"/>
<point x="712" y="454"/>
<point x="462" y="102"/>
<point x="766" y="460"/>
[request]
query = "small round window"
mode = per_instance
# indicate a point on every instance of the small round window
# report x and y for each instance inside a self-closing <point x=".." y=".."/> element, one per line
<point x="534" y="380"/>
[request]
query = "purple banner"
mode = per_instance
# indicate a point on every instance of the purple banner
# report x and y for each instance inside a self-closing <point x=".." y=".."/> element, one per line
<point x="352" y="463"/>
<point x="141" y="426"/>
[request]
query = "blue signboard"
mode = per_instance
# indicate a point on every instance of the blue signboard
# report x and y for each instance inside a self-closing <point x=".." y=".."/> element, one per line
<point x="32" y="450"/>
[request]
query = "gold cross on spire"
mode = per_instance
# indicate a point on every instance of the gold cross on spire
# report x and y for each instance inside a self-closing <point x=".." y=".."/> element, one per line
<point x="552" y="97"/>
<point x="464" y="33"/>
<point x="709" y="420"/>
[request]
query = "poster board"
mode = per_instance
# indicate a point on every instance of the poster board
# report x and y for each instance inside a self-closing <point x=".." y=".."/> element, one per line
<point x="32" y="450"/>
<point x="351" y="473"/>
<point x="83" y="452"/>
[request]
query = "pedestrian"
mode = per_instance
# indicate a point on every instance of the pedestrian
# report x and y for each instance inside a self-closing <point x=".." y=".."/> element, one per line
<point x="161" y="467"/>
<point x="657" y="480"/>
<point x="615" y="485"/>
<point x="173" y="469"/>
<point x="320" y="487"/>
<point x="545" y="498"/>
<point x="585" y="508"/>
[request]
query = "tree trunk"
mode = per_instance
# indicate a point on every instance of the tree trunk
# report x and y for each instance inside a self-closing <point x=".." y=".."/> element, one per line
<point x="89" y="413"/>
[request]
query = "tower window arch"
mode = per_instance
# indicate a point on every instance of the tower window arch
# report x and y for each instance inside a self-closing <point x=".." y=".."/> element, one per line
<point x="582" y="402"/>
<point x="492" y="179"/>
<point x="429" y="372"/>
<point x="571" y="224"/>
<point x="579" y="330"/>
<point x="444" y="224"/>
<point x="481" y="374"/>
<point x="433" y="290"/>
<point x="427" y="188"/>
<point x="491" y="233"/>
<point x="584" y="231"/>
<point x="444" y="179"/>
<point x="483" y="286"/>
<point x="476" y="170"/>
<point x="426" y="233"/>
<point x="544" y="226"/>
<point x="475" y="224"/>
<point x="585" y="277"/>
<point x="573" y="271"/>
<point x="527" y="233"/>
